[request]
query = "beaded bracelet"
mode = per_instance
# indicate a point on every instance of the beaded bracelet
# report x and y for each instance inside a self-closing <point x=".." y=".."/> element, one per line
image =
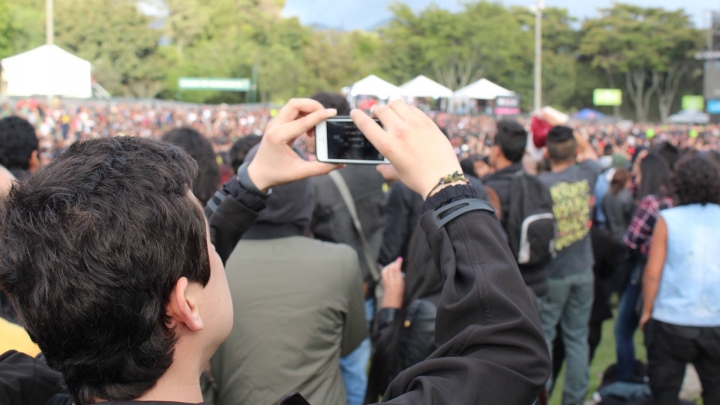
<point x="450" y="178"/>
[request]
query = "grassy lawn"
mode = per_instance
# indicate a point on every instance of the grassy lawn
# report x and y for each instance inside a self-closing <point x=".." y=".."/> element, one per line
<point x="604" y="356"/>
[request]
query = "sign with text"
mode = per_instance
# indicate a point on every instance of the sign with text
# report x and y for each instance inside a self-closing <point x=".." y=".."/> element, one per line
<point x="607" y="97"/>
<point x="203" y="83"/>
<point x="696" y="103"/>
<point x="507" y="105"/>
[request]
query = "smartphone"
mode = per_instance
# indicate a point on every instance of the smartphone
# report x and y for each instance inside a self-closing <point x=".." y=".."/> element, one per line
<point x="338" y="140"/>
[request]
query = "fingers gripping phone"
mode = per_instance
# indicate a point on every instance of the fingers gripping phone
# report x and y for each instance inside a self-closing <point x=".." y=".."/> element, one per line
<point x="338" y="140"/>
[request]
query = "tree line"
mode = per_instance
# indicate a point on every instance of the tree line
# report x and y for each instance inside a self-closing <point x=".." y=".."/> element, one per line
<point x="646" y="52"/>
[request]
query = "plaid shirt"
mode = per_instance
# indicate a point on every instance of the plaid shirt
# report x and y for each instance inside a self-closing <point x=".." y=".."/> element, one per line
<point x="639" y="235"/>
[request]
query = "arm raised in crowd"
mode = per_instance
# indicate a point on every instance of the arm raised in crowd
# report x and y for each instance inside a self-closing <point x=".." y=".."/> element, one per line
<point x="233" y="209"/>
<point x="491" y="345"/>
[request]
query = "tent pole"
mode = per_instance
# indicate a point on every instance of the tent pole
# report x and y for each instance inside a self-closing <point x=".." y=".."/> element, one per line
<point x="49" y="23"/>
<point x="538" y="54"/>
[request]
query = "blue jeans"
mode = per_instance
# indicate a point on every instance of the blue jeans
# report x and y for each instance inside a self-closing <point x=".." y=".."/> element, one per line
<point x="568" y="302"/>
<point x="354" y="366"/>
<point x="626" y="325"/>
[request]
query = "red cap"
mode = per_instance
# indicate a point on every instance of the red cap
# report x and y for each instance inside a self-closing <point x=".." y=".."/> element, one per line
<point x="540" y="130"/>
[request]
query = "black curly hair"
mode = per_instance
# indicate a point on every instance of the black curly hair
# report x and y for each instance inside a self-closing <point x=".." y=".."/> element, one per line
<point x="696" y="180"/>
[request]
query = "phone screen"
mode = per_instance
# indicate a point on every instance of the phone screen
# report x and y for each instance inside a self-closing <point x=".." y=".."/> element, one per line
<point x="346" y="142"/>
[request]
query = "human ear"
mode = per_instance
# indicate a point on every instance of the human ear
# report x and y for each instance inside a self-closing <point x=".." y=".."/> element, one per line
<point x="182" y="307"/>
<point x="34" y="162"/>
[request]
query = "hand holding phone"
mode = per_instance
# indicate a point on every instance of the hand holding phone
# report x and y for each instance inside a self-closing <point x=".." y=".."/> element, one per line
<point x="418" y="150"/>
<point x="338" y="140"/>
<point x="276" y="163"/>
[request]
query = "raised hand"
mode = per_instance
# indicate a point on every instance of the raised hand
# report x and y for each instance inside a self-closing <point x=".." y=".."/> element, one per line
<point x="394" y="285"/>
<point x="276" y="162"/>
<point x="411" y="141"/>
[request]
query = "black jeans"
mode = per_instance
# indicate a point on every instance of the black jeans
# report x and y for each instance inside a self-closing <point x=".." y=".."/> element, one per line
<point x="670" y="349"/>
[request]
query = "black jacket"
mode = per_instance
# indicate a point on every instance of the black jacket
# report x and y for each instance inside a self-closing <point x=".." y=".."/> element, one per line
<point x="491" y="348"/>
<point x="402" y="214"/>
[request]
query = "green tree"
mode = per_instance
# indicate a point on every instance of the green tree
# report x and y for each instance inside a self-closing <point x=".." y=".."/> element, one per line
<point x="649" y="46"/>
<point x="454" y="48"/>
<point x="27" y="19"/>
<point x="560" y="42"/>
<point x="334" y="59"/>
<point x="117" y="40"/>
<point x="6" y="30"/>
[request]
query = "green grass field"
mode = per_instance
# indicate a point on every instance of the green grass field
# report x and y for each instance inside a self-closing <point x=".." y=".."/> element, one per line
<point x="604" y="356"/>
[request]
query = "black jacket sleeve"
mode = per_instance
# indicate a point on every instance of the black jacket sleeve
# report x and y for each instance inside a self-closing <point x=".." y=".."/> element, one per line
<point x="491" y="348"/>
<point x="397" y="225"/>
<point x="230" y="213"/>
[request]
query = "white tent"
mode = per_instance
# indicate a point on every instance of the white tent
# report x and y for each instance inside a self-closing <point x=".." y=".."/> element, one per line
<point x="422" y="86"/>
<point x="482" y="89"/>
<point x="375" y="86"/>
<point x="47" y="71"/>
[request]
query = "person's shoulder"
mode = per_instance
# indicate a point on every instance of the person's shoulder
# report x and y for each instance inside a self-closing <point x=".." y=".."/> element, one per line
<point x="592" y="167"/>
<point x="321" y="250"/>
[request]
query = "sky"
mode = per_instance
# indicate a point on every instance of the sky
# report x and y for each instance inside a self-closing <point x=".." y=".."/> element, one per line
<point x="366" y="14"/>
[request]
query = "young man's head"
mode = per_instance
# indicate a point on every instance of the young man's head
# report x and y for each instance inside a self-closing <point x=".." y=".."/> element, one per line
<point x="696" y="180"/>
<point x="18" y="145"/>
<point x="107" y="259"/>
<point x="240" y="150"/>
<point x="561" y="145"/>
<point x="200" y="149"/>
<point x="328" y="100"/>
<point x="510" y="144"/>
<point x="333" y="100"/>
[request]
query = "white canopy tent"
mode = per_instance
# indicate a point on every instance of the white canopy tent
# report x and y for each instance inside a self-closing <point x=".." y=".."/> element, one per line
<point x="376" y="87"/>
<point x="422" y="86"/>
<point x="482" y="89"/>
<point x="47" y="71"/>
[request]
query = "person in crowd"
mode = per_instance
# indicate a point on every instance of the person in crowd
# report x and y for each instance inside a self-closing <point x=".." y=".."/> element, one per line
<point x="332" y="222"/>
<point x="681" y="286"/>
<point x="200" y="149"/>
<point x="298" y="308"/>
<point x="138" y="268"/>
<point x="670" y="152"/>
<point x="506" y="160"/>
<point x="506" y="156"/>
<point x="402" y="215"/>
<point x="569" y="298"/>
<point x="396" y="346"/>
<point x="404" y="330"/>
<point x="468" y="167"/>
<point x="619" y="206"/>
<point x="611" y="254"/>
<point x="240" y="149"/>
<point x="652" y="177"/>
<point x="19" y="147"/>
<point x="482" y="166"/>
<point x="602" y="185"/>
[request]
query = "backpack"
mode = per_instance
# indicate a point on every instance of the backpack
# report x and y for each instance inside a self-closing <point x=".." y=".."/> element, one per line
<point x="531" y="225"/>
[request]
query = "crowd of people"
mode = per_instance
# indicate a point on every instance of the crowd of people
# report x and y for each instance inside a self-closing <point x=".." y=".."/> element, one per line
<point x="192" y="260"/>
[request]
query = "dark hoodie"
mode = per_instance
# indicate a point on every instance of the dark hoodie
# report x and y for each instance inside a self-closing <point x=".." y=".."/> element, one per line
<point x="288" y="213"/>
